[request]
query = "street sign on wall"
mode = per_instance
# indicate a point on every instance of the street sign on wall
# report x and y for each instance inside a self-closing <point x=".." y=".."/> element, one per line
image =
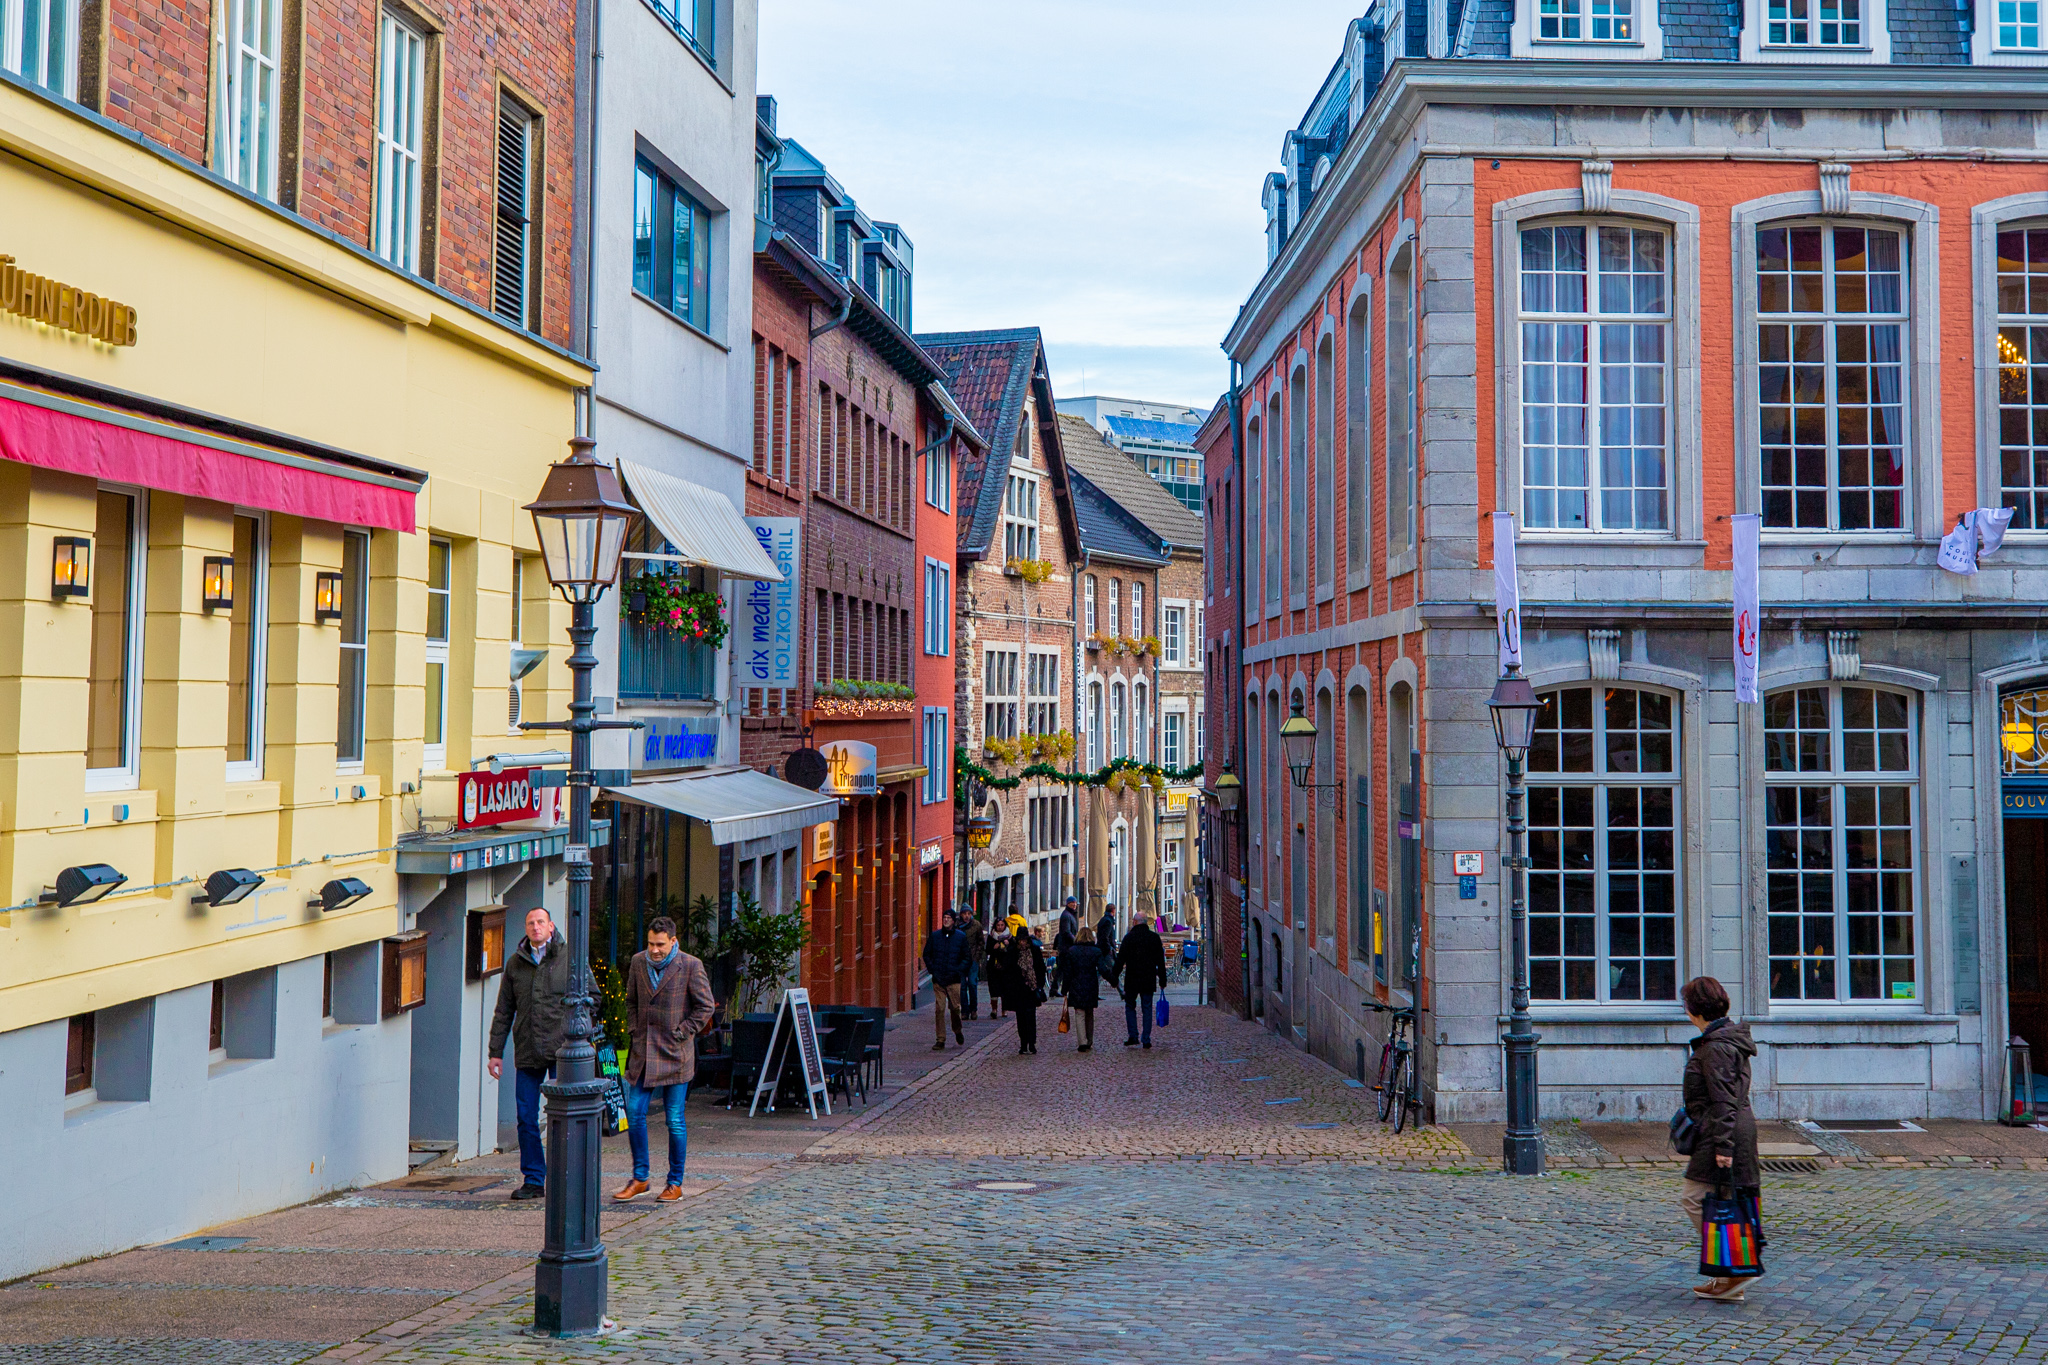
<point x="764" y="615"/>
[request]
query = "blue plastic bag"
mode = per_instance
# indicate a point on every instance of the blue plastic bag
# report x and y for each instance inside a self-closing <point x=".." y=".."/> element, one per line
<point x="1159" y="1012"/>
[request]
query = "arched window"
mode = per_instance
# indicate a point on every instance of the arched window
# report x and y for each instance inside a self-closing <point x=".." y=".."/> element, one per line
<point x="1095" y="756"/>
<point x="1141" y="732"/>
<point x="1119" y="736"/>
<point x="1326" y="466"/>
<point x="1357" y="426"/>
<point x="2022" y="353"/>
<point x="1840" y="856"/>
<point x="1297" y="483"/>
<point x="1254" y="462"/>
<point x="1254" y="796"/>
<point x="1604" y="813"/>
<point x="1275" y="502"/>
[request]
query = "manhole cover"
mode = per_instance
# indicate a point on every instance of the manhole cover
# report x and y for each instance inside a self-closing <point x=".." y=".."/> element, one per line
<point x="1002" y="1186"/>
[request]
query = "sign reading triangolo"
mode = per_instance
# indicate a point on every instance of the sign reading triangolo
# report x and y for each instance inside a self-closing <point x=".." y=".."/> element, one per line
<point x="849" y="768"/>
<point x="764" y="624"/>
<point x="488" y="798"/>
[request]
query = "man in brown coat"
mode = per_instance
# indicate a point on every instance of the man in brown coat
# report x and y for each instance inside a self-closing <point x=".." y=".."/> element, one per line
<point x="668" y="1003"/>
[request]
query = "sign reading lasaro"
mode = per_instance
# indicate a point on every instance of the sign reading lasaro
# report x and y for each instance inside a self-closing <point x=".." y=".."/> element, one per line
<point x="676" y="742"/>
<point x="764" y="632"/>
<point x="489" y="798"/>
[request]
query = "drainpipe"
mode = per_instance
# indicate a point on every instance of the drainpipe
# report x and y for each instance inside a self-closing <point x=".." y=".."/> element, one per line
<point x="587" y="425"/>
<point x="845" y="312"/>
<point x="1244" y="920"/>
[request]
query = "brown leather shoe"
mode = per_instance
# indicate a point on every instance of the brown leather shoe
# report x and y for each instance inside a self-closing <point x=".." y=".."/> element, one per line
<point x="670" y="1193"/>
<point x="632" y="1189"/>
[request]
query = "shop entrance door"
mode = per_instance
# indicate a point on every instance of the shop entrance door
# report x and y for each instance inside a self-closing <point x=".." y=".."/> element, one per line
<point x="2026" y="932"/>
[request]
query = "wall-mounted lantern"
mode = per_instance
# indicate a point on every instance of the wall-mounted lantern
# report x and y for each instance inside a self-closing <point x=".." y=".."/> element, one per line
<point x="327" y="597"/>
<point x="217" y="584"/>
<point x="71" y="567"/>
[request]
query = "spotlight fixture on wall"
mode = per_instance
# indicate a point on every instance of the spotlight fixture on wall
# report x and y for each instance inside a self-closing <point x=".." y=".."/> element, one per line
<point x="228" y="886"/>
<point x="327" y="597"/>
<point x="217" y="584"/>
<point x="339" y="894"/>
<point x="70" y="566"/>
<point x="82" y="885"/>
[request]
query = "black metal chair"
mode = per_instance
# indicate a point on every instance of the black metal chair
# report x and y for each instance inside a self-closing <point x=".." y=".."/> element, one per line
<point x="749" y="1055"/>
<point x="845" y="1065"/>
<point x="871" y="1055"/>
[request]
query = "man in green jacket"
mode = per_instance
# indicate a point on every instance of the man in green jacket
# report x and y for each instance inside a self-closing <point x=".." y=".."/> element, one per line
<point x="532" y="1002"/>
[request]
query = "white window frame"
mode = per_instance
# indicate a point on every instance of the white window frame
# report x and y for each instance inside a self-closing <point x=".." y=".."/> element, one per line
<point x="1116" y="615"/>
<point x="1095" y="754"/>
<point x="1836" y="776"/>
<point x="1002" y="711"/>
<point x="1138" y="631"/>
<point x="1593" y="318"/>
<point x="1020" y="515"/>
<point x="1173" y="618"/>
<point x="938" y="756"/>
<point x="400" y="139"/>
<point x="1119" y="720"/>
<point x="1172" y="726"/>
<point x="938" y="476"/>
<point x="14" y="37"/>
<point x="349" y="767"/>
<point x="1987" y="47"/>
<point x="938" y="607"/>
<point x="1526" y="37"/>
<point x="434" y="757"/>
<point x="1874" y="49"/>
<point x="1141" y="729"/>
<point x="240" y="65"/>
<point x="1042" y="691"/>
<point x="257" y="585"/>
<point x="2013" y="213"/>
<point x="1088" y="605"/>
<point x="128" y="776"/>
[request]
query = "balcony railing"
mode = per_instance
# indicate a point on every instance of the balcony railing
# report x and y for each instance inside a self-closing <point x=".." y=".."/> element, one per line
<point x="657" y="664"/>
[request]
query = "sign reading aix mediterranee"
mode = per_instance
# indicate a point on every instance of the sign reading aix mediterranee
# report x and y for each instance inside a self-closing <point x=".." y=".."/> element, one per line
<point x="677" y="742"/>
<point x="764" y="643"/>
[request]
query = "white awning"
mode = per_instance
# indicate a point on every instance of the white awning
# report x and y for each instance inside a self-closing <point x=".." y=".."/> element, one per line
<point x="737" y="803"/>
<point x="702" y="524"/>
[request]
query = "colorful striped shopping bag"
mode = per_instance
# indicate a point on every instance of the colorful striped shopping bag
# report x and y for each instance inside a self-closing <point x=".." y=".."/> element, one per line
<point x="1731" y="1235"/>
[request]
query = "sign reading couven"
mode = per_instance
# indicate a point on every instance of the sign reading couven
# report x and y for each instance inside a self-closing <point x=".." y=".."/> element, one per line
<point x="764" y="643"/>
<point x="677" y="742"/>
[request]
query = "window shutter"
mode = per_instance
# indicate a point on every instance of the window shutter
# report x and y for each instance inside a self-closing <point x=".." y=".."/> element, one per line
<point x="515" y="137"/>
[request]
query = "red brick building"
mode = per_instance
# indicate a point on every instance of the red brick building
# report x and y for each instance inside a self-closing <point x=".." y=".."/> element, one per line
<point x="851" y="434"/>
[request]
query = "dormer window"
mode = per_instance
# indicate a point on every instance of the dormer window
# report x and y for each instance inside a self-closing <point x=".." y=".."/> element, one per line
<point x="2019" y="25"/>
<point x="1582" y="21"/>
<point x="2009" y="33"/>
<point x="1814" y="23"/>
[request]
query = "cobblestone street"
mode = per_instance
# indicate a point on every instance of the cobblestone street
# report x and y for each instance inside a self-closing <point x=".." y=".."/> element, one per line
<point x="1129" y="1206"/>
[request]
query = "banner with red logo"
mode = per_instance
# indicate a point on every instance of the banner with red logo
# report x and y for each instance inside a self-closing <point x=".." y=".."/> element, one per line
<point x="487" y="798"/>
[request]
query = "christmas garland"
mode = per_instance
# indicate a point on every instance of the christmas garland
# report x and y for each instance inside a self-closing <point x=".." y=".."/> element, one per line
<point x="1110" y="774"/>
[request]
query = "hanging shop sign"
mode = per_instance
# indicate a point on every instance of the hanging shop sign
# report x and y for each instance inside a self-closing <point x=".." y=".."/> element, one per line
<point x="849" y="768"/>
<point x="931" y="854"/>
<point x="65" y="307"/>
<point x="824" y="842"/>
<point x="677" y="742"/>
<point x="764" y="616"/>
<point x="489" y="798"/>
<point x="981" y="831"/>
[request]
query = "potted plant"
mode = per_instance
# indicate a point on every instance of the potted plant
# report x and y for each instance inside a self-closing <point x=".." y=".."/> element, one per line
<point x="667" y="602"/>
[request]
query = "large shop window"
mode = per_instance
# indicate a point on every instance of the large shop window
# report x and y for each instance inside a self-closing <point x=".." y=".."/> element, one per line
<point x="355" y="649"/>
<point x="1596" y="332"/>
<point x="1831" y="323"/>
<point x="2023" y="376"/>
<point x="1839" y="842"/>
<point x="671" y="247"/>
<point x="1604" y="806"/>
<point x="246" y="631"/>
<point x="245" y="148"/>
<point x="38" y="42"/>
<point x="113" y="707"/>
<point x="401" y="141"/>
<point x="440" y="598"/>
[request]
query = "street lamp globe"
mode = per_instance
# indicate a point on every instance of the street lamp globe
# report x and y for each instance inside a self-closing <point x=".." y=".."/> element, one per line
<point x="1298" y="743"/>
<point x="1228" y="790"/>
<point x="581" y="518"/>
<point x="1514" y="705"/>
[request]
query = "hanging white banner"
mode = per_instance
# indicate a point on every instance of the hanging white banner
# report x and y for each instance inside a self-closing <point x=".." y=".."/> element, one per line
<point x="1748" y="610"/>
<point x="1977" y="534"/>
<point x="1507" y="591"/>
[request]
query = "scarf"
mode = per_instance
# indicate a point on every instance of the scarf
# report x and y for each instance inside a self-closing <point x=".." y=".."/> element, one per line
<point x="656" y="969"/>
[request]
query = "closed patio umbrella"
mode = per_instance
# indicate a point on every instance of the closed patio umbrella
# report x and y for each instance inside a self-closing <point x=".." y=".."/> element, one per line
<point x="1098" y="850"/>
<point x="1148" y="851"/>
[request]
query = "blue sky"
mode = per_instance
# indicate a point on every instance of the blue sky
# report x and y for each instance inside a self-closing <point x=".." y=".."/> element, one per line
<point x="1090" y="167"/>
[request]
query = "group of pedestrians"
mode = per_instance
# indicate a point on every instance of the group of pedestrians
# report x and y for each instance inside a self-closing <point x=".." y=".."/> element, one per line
<point x="1020" y="976"/>
<point x="668" y="1003"/>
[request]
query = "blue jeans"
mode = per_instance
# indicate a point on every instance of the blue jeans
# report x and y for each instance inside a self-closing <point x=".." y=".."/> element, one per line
<point x="969" y="996"/>
<point x="533" y="1152"/>
<point x="678" y="1127"/>
<point x="1136" y="1007"/>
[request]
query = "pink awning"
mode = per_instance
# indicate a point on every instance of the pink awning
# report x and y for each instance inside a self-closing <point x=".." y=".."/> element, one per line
<point x="54" y="432"/>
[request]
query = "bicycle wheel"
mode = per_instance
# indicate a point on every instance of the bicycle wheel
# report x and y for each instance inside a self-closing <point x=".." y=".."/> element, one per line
<point x="1390" y="1092"/>
<point x="1405" y="1077"/>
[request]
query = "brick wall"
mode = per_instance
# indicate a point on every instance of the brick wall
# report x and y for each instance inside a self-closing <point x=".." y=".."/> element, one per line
<point x="337" y="184"/>
<point x="158" y="55"/>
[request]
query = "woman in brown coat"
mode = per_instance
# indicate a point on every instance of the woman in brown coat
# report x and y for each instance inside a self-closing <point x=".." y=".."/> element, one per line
<point x="668" y="1003"/>
<point x="1717" y="1101"/>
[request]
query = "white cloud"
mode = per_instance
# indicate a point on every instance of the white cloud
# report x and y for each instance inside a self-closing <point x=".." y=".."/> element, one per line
<point x="1089" y="167"/>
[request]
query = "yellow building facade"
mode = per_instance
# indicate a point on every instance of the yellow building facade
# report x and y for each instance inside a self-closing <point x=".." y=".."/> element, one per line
<point x="261" y="385"/>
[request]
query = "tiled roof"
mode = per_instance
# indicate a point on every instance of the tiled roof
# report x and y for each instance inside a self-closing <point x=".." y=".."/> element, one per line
<point x="1927" y="32"/>
<point x="1118" y="477"/>
<point x="1107" y="529"/>
<point x="1490" y="22"/>
<point x="1139" y="428"/>
<point x="1700" y="30"/>
<point x="989" y="376"/>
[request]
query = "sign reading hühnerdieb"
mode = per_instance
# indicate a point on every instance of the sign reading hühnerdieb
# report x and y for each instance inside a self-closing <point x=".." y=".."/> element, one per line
<point x="65" y="307"/>
<point x="498" y="798"/>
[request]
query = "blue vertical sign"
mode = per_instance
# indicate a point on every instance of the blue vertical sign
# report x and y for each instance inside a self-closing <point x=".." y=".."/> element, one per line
<point x="764" y="620"/>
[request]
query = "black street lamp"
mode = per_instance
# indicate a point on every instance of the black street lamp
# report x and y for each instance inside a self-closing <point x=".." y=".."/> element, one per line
<point x="581" y="517"/>
<point x="1514" y="706"/>
<point x="1298" y="746"/>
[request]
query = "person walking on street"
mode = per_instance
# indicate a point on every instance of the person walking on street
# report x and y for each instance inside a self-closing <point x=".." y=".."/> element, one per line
<point x="1023" y="983"/>
<point x="977" y="955"/>
<point x="1105" y="940"/>
<point x="1063" y="939"/>
<point x="668" y="1003"/>
<point x="1716" y="1088"/>
<point x="1141" y="962"/>
<point x="1079" y="963"/>
<point x="945" y="957"/>
<point x="532" y="1006"/>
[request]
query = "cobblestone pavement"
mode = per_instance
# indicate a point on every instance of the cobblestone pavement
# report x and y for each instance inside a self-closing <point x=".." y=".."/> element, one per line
<point x="1126" y="1207"/>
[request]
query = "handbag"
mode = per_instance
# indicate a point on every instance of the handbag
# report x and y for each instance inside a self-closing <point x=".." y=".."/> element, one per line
<point x="1731" y="1235"/>
<point x="1066" y="1023"/>
<point x="1159" y="1012"/>
<point x="1685" y="1134"/>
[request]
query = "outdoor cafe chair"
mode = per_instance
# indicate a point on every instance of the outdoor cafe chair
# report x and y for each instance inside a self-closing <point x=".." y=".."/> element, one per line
<point x="749" y="1055"/>
<point x="844" y="1065"/>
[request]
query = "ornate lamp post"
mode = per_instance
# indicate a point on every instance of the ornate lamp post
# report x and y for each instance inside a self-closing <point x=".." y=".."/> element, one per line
<point x="1514" y="706"/>
<point x="581" y="517"/>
